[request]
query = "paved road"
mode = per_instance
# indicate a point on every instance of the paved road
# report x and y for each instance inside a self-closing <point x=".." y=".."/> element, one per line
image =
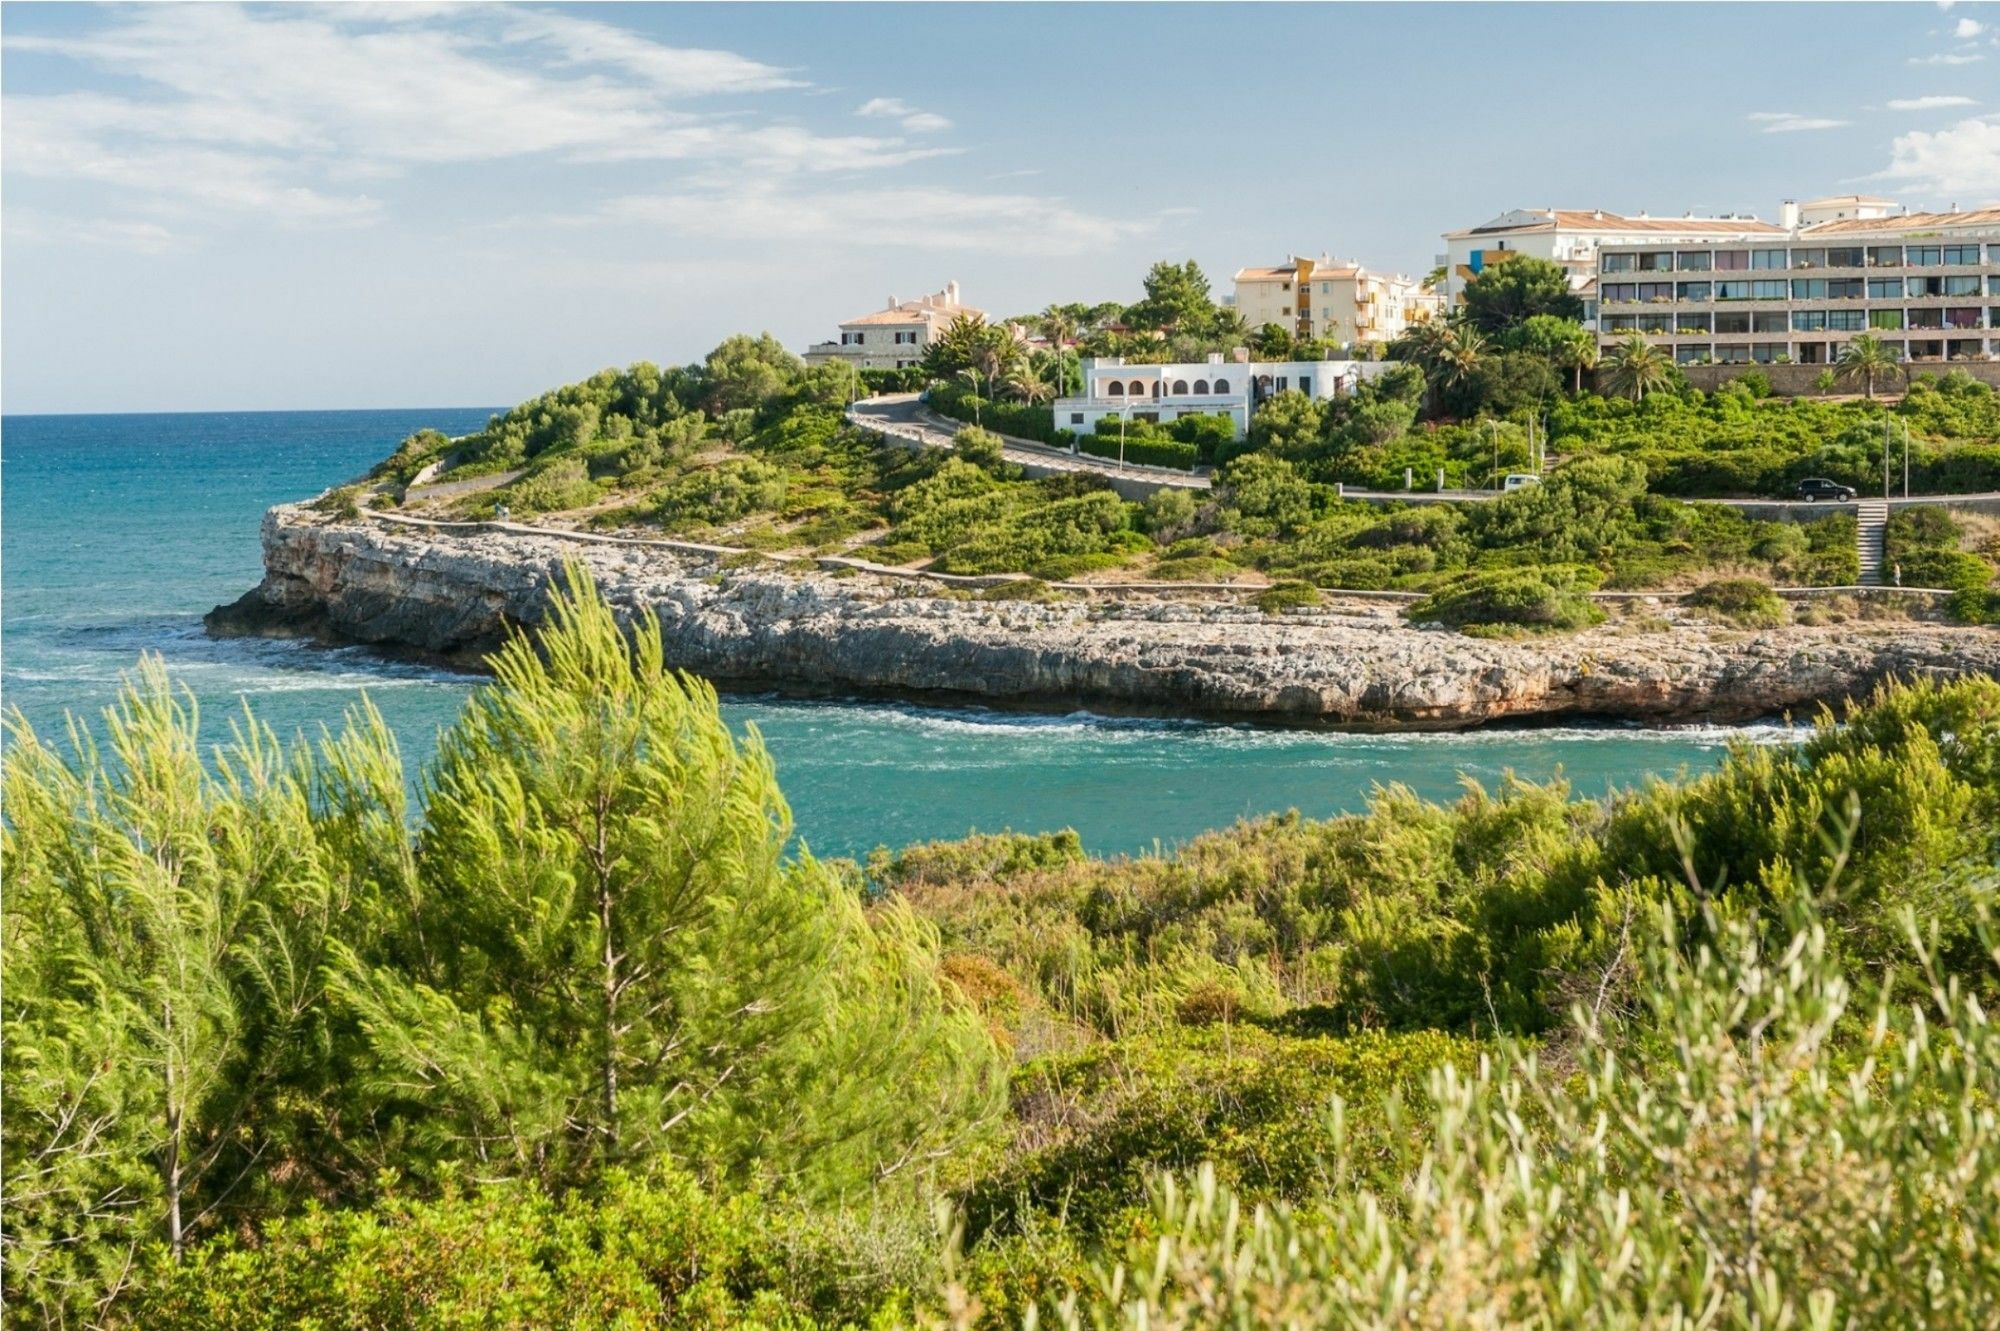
<point x="904" y="416"/>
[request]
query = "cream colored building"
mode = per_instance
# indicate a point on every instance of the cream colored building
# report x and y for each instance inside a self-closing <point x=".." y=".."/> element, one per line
<point x="893" y="337"/>
<point x="1333" y="300"/>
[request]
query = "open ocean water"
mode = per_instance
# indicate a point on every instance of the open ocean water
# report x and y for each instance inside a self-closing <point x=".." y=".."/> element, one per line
<point x="118" y="532"/>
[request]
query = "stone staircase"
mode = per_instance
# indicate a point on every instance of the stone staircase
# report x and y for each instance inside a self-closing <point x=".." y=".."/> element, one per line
<point x="1870" y="526"/>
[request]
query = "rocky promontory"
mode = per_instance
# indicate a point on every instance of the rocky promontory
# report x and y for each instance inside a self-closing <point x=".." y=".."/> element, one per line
<point x="453" y="594"/>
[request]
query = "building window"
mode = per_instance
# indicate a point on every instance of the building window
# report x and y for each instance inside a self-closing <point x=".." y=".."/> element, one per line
<point x="1770" y="289"/>
<point x="1737" y="290"/>
<point x="1926" y="319"/>
<point x="1889" y="319"/>
<point x="1809" y="321"/>
<point x="1808" y="288"/>
<point x="1845" y="288"/>
<point x="1967" y="317"/>
<point x="1115" y="389"/>
<point x="1845" y="321"/>
<point x="1767" y="259"/>
<point x="1732" y="321"/>
<point x="1693" y="291"/>
<point x="1691" y="353"/>
<point x="1136" y="389"/>
<point x="1617" y="292"/>
<point x="1656" y="291"/>
<point x="1765" y="353"/>
<point x="1180" y="388"/>
<point x="1808" y="258"/>
<point x="1732" y="261"/>
<point x="1306" y="383"/>
<point x="1850" y="257"/>
<point x="1076" y="418"/>
<point x="1885" y="256"/>
<point x="1768" y="321"/>
<point x="1962" y="286"/>
<point x="1284" y="309"/>
<point x="1222" y="385"/>
<point x="1694" y="261"/>
<point x="1885" y="288"/>
<point x="1656" y="323"/>
<point x="1962" y="254"/>
<point x="1201" y="388"/>
<point x="1923" y="256"/>
<point x="1656" y="261"/>
<point x="1732" y="355"/>
<point x="1618" y="263"/>
<point x="1621" y="323"/>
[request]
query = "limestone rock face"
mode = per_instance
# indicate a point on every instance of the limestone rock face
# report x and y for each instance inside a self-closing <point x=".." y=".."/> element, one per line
<point x="454" y="596"/>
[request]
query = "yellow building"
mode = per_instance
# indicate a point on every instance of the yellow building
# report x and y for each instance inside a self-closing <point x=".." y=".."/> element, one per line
<point x="1333" y="301"/>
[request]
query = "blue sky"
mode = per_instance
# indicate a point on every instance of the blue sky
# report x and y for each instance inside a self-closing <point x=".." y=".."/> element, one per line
<point x="212" y="207"/>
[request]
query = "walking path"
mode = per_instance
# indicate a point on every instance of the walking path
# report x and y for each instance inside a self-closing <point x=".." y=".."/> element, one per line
<point x="905" y="416"/>
<point x="1871" y="530"/>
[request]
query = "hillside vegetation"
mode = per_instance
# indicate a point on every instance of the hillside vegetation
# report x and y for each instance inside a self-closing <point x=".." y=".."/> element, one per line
<point x="751" y="450"/>
<point x="583" y="1039"/>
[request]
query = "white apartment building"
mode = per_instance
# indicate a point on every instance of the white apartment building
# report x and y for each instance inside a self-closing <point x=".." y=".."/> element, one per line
<point x="1336" y="300"/>
<point x="893" y="337"/>
<point x="1926" y="284"/>
<point x="1572" y="238"/>
<point x="1220" y="386"/>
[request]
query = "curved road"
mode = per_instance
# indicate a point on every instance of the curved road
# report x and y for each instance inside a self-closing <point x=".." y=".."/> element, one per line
<point x="904" y="416"/>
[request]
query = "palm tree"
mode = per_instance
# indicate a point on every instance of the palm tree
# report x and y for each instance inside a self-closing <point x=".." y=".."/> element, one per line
<point x="1026" y="383"/>
<point x="1060" y="328"/>
<point x="1576" y="351"/>
<point x="1636" y="367"/>
<point x="971" y="376"/>
<point x="1866" y="358"/>
<point x="1229" y="326"/>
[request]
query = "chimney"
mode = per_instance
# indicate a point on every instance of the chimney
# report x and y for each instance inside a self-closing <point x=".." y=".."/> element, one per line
<point x="1241" y="355"/>
<point x="1788" y="215"/>
<point x="951" y="292"/>
<point x="891" y="305"/>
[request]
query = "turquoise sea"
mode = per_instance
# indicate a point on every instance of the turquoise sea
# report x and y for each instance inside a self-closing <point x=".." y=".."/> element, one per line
<point x="120" y="531"/>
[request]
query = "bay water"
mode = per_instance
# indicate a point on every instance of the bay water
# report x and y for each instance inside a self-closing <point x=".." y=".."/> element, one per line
<point x="118" y="532"/>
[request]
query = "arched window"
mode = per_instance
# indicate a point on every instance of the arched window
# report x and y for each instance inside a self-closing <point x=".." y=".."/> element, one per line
<point x="1201" y="387"/>
<point x="1264" y="382"/>
<point x="1221" y="385"/>
<point x="1180" y="387"/>
<point x="1116" y="389"/>
<point x="1138" y="389"/>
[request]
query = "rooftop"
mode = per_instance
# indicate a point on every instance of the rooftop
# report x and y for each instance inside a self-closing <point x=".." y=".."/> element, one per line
<point x="1596" y="219"/>
<point x="1905" y="222"/>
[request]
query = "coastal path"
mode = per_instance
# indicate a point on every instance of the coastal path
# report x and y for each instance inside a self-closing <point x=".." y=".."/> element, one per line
<point x="905" y="416"/>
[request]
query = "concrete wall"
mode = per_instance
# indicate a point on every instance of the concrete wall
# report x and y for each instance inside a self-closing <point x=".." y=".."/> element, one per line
<point x="1797" y="380"/>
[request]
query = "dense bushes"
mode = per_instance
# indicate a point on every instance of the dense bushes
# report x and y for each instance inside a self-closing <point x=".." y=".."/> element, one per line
<point x="1555" y="597"/>
<point x="1744" y="602"/>
<point x="1146" y="450"/>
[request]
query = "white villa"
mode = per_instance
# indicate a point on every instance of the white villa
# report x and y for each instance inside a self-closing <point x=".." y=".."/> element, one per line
<point x="1216" y="387"/>
<point x="893" y="337"/>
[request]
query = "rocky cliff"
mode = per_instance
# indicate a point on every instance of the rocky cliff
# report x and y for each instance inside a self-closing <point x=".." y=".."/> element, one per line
<point x="453" y="596"/>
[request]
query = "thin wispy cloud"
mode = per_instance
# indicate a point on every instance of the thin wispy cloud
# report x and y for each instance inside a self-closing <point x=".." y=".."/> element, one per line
<point x="1789" y="122"/>
<point x="928" y="218"/>
<point x="1948" y="58"/>
<point x="900" y="111"/>
<point x="1937" y="103"/>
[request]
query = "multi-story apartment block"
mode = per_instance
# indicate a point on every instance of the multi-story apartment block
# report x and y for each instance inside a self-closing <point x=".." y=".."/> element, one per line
<point x="1215" y="387"/>
<point x="893" y="337"/>
<point x="1572" y="237"/>
<point x="1927" y="284"/>
<point x="1336" y="301"/>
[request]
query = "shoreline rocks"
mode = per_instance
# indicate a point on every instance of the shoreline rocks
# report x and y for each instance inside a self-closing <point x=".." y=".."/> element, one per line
<point x="452" y="596"/>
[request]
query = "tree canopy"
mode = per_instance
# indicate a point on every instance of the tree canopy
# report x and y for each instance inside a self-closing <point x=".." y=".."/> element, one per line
<point x="1503" y="295"/>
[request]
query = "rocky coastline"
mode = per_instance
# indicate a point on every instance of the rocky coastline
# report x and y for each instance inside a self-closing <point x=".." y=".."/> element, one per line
<point x="452" y="595"/>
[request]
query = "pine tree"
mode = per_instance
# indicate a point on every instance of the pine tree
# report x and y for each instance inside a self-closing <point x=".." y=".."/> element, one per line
<point x="604" y="953"/>
<point x="165" y="930"/>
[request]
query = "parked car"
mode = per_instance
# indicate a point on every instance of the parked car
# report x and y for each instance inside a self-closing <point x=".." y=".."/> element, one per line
<point x="1518" y="480"/>
<point x="1815" y="488"/>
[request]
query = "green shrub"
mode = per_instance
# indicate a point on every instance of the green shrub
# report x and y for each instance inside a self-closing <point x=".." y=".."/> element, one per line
<point x="1143" y="450"/>
<point x="982" y="448"/>
<point x="1285" y="596"/>
<point x="1744" y="602"/>
<point x="1549" y="598"/>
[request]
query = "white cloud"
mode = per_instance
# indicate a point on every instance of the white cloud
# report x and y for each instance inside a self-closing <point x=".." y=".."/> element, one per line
<point x="1967" y="29"/>
<point x="927" y="218"/>
<point x="1790" y="122"/>
<point x="278" y="114"/>
<point x="1947" y="58"/>
<point x="1938" y="103"/>
<point x="1962" y="162"/>
<point x="909" y="117"/>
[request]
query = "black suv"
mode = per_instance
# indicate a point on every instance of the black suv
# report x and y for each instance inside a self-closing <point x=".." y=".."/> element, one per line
<point x="1815" y="488"/>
